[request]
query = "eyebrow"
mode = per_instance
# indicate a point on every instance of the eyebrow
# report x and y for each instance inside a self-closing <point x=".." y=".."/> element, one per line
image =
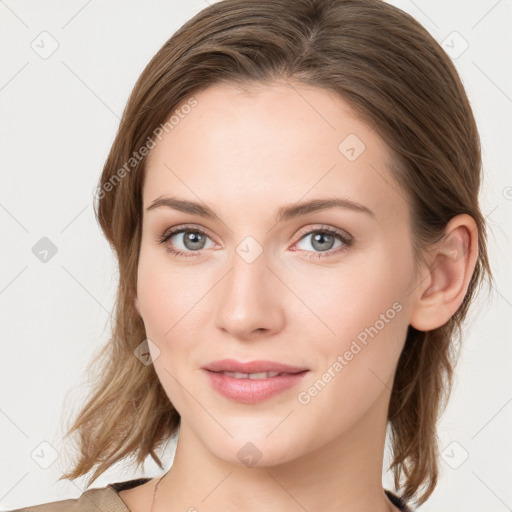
<point x="284" y="213"/>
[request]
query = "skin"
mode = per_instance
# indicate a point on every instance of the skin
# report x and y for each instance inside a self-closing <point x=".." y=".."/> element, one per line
<point x="245" y="154"/>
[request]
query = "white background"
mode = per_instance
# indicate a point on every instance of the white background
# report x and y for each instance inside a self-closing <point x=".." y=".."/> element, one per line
<point x="59" y="118"/>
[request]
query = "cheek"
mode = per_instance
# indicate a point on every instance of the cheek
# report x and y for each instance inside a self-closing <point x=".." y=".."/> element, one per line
<point x="376" y="316"/>
<point x="173" y="301"/>
<point x="356" y="365"/>
<point x="339" y="303"/>
<point x="167" y="304"/>
<point x="154" y="296"/>
<point x="360" y="312"/>
<point x="160" y="290"/>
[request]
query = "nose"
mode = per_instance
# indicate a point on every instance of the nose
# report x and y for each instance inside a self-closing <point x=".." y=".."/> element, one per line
<point x="250" y="299"/>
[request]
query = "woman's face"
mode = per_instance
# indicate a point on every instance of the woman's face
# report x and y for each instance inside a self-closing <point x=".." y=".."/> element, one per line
<point x="260" y="284"/>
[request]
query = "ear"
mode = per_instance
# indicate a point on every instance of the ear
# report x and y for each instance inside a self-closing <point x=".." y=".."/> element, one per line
<point x="444" y="283"/>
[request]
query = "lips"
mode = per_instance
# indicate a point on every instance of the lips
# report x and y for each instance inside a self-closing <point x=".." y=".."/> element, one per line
<point x="252" y="367"/>
<point x="252" y="391"/>
<point x="254" y="381"/>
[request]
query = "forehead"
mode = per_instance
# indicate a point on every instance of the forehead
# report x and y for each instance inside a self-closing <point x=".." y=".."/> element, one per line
<point x="273" y="144"/>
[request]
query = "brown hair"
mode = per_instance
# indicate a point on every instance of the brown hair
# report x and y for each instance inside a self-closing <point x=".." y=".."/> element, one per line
<point x="397" y="79"/>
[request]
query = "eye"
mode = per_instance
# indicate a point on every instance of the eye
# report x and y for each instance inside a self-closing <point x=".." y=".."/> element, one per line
<point x="194" y="240"/>
<point x="323" y="240"/>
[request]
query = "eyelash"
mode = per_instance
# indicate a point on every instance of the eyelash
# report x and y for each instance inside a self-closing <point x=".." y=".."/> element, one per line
<point x="309" y="254"/>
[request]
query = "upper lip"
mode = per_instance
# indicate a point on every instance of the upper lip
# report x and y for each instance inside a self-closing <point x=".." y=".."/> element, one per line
<point x="231" y="365"/>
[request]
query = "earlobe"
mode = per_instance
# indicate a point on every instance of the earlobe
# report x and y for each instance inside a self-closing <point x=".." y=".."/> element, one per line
<point x="452" y="263"/>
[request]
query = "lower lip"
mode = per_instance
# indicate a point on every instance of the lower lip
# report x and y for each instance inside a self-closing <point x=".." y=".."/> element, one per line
<point x="251" y="391"/>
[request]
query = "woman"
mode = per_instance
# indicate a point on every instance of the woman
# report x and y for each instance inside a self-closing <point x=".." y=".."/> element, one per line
<point x="260" y="132"/>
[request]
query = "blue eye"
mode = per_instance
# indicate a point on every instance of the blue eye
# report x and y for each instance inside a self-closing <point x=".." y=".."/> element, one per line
<point x="323" y="240"/>
<point x="194" y="237"/>
<point x="195" y="240"/>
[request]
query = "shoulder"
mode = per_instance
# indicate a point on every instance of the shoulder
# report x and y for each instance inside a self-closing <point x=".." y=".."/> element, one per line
<point x="105" y="499"/>
<point x="91" y="500"/>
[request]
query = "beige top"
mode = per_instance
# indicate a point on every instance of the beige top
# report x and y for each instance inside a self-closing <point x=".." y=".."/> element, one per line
<point x="106" y="499"/>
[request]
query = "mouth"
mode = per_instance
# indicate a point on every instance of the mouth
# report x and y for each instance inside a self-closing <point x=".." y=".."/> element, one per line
<point x="254" y="387"/>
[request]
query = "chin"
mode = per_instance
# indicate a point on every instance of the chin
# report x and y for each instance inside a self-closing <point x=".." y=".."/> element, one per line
<point x="246" y="450"/>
